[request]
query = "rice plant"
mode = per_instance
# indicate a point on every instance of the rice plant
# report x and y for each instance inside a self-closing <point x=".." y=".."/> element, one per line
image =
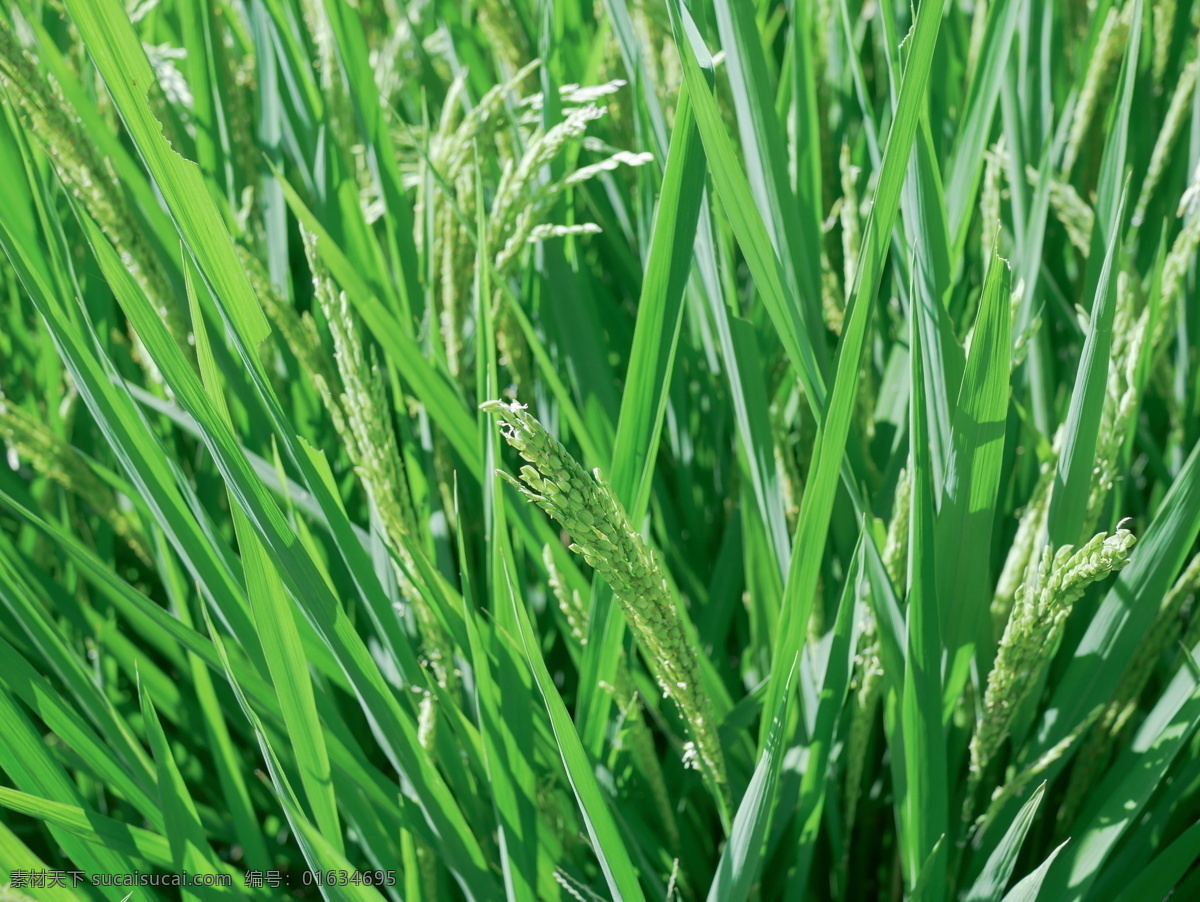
<point x="547" y="450"/>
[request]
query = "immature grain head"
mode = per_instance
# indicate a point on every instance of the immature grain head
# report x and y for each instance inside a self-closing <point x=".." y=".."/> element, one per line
<point x="86" y="174"/>
<point x="1163" y="14"/>
<point x="1076" y="216"/>
<point x="1177" y="113"/>
<point x="1179" y="257"/>
<point x="601" y="532"/>
<point x="357" y="402"/>
<point x="50" y="455"/>
<point x="1110" y="44"/>
<point x="1034" y="628"/>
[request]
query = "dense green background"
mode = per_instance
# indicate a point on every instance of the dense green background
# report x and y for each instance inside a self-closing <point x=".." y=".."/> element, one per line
<point x="862" y="310"/>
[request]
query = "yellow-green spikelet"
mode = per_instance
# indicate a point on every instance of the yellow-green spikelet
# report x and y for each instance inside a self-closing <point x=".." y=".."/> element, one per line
<point x="1033" y="629"/>
<point x="600" y="529"/>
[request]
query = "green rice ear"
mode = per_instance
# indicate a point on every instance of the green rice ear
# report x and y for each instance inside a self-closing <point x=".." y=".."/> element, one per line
<point x="1034" y="627"/>
<point x="586" y="508"/>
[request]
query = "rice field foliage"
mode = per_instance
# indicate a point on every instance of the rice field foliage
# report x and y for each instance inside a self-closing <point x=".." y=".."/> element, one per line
<point x="847" y="352"/>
